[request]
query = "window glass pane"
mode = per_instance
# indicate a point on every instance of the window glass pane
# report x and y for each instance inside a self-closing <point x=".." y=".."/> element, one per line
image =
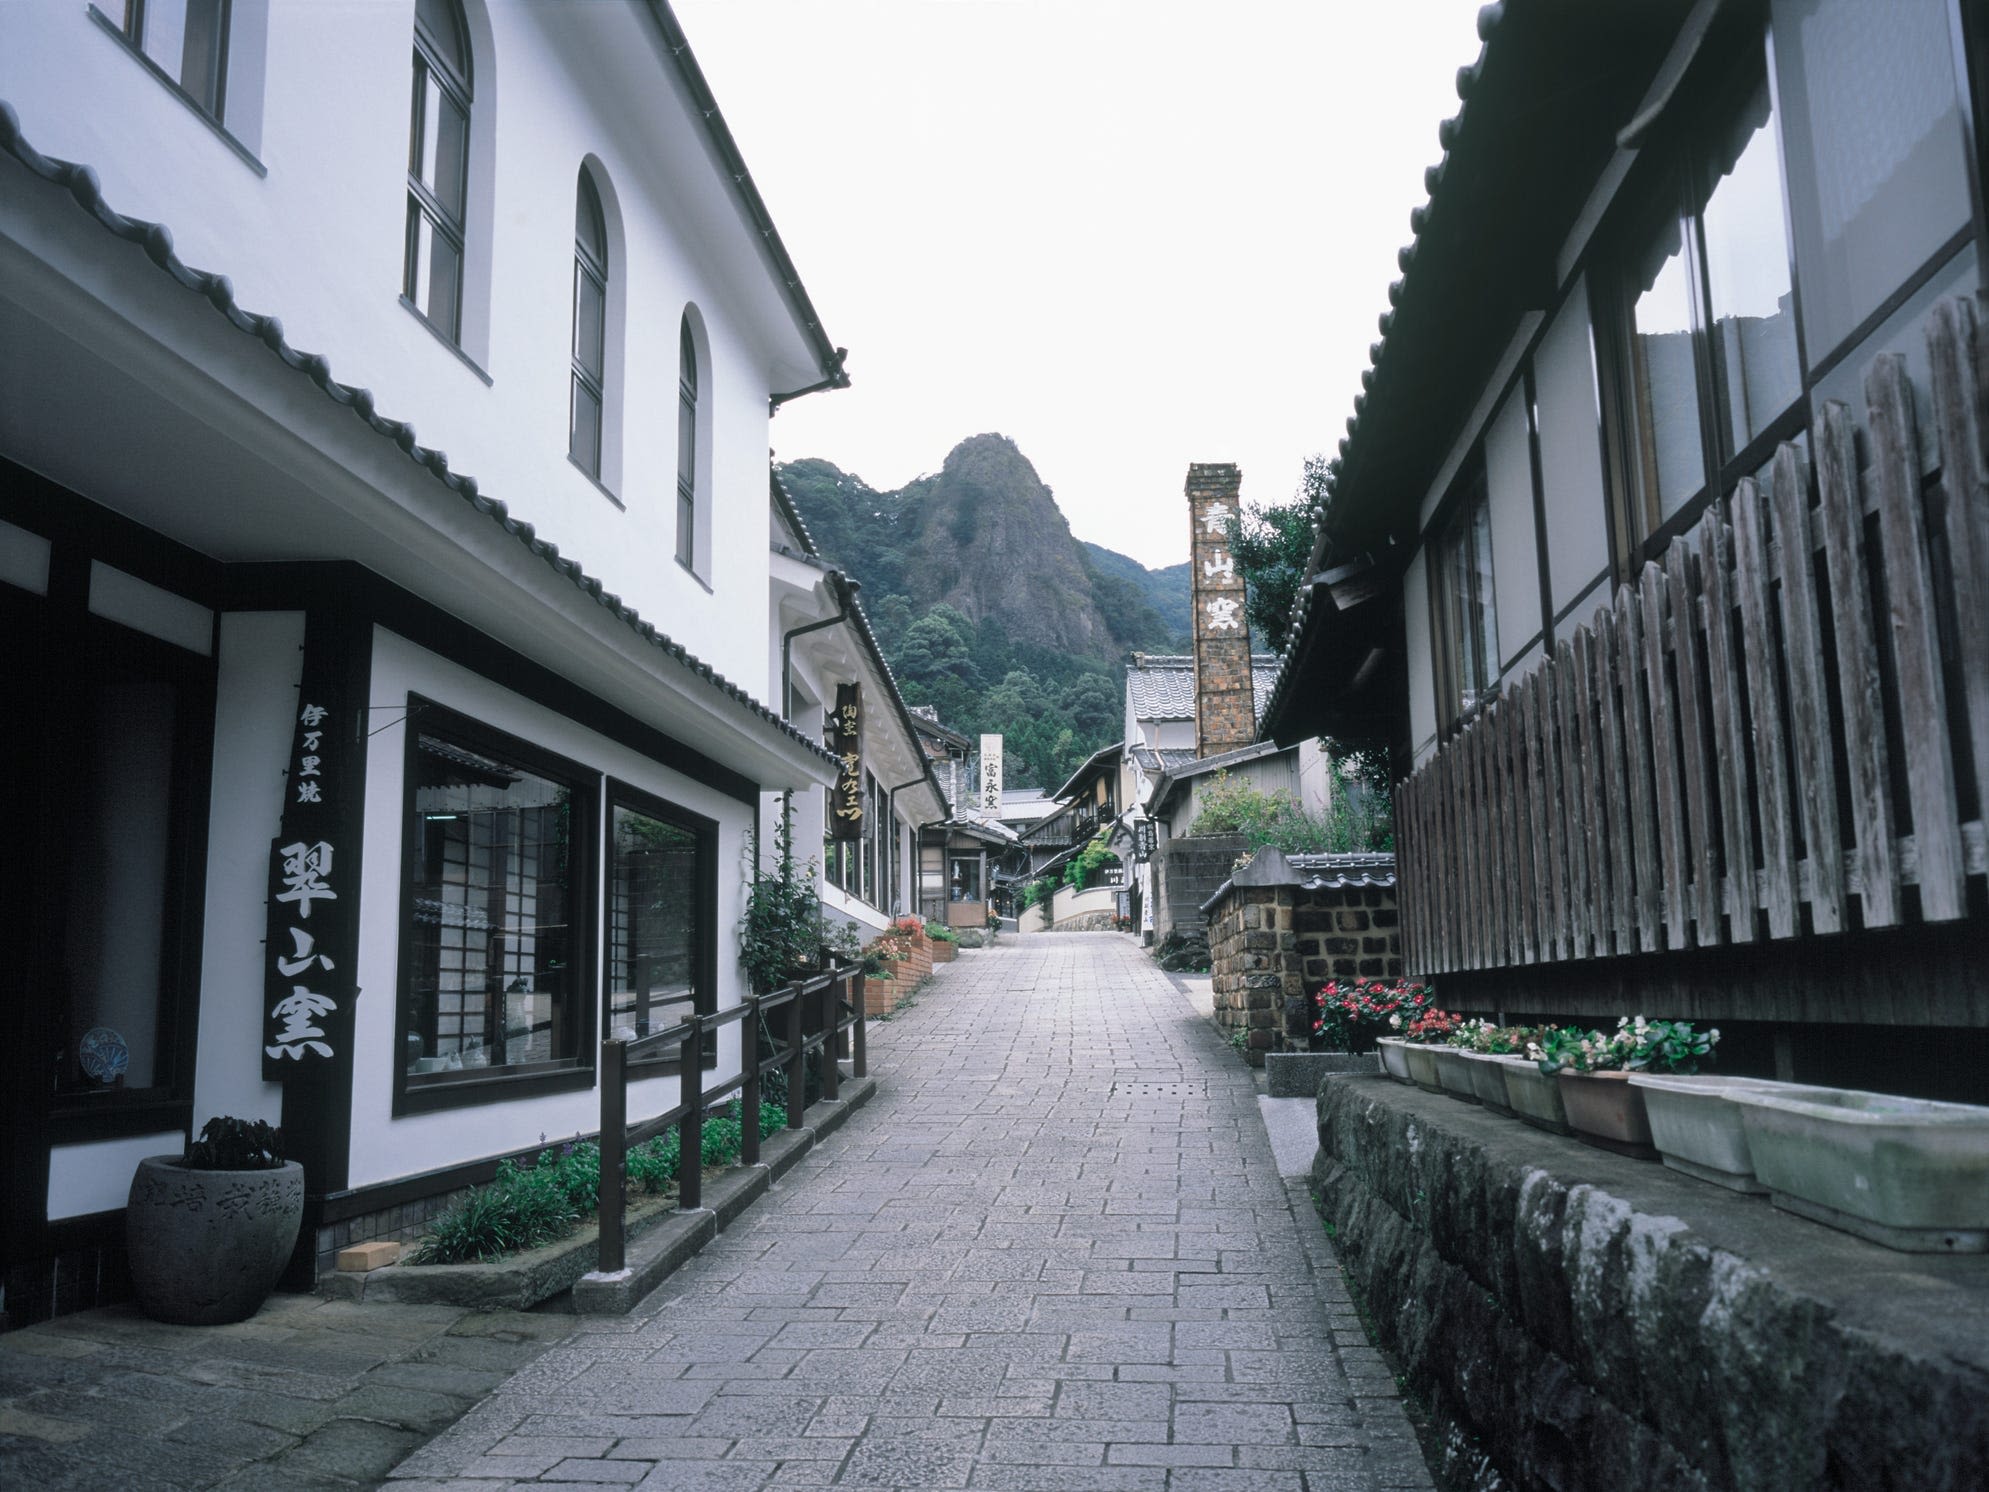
<point x="589" y="232"/>
<point x="687" y="444"/>
<point x="440" y="23"/>
<point x="687" y="518"/>
<point x="687" y="359"/>
<point x="493" y="941"/>
<point x="965" y="878"/>
<point x="589" y="317"/>
<point x="584" y="432"/>
<point x="1664" y="381"/>
<point x="1877" y="175"/>
<point x="652" y="925"/>
<point x="1480" y="615"/>
<point x="119" y="857"/>
<point x="443" y="144"/>
<point x="189" y="41"/>
<point x="1754" y="326"/>
<point x="434" y="272"/>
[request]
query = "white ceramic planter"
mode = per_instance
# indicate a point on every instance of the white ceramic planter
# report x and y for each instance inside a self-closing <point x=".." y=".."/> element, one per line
<point x="1488" y="1081"/>
<point x="1453" y="1070"/>
<point x="1905" y="1172"/>
<point x="1698" y="1127"/>
<point x="1535" y="1096"/>
<point x="1422" y="1067"/>
<point x="1394" y="1059"/>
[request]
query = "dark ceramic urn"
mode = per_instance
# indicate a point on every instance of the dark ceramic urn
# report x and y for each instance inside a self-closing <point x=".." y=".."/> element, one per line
<point x="207" y="1247"/>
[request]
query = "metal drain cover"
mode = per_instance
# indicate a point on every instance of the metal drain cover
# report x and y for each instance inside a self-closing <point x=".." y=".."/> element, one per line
<point x="1178" y="1089"/>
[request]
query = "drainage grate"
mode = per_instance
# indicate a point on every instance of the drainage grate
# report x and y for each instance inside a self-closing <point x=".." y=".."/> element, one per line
<point x="1160" y="1090"/>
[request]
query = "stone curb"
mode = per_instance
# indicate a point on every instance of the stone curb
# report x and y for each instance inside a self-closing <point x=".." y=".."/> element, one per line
<point x="658" y="1241"/>
<point x="1299" y="1074"/>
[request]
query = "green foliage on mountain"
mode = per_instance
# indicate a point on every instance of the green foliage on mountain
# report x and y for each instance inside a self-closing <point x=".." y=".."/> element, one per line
<point x="988" y="608"/>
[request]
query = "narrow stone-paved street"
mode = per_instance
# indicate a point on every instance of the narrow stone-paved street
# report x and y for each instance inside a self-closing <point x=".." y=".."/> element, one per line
<point x="1053" y="1253"/>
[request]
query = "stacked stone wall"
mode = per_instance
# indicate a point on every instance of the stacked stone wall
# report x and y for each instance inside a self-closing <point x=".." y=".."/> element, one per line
<point x="1186" y="873"/>
<point x="1272" y="945"/>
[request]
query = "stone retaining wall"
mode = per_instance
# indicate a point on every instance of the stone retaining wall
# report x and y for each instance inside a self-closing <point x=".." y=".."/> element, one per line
<point x="1602" y="1322"/>
<point x="1275" y="943"/>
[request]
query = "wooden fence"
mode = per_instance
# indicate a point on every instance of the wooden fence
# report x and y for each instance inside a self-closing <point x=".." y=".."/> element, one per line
<point x="1780" y="730"/>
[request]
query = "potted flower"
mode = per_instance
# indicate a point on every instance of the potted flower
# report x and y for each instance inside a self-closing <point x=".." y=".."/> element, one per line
<point x="1454" y="1061"/>
<point x="1355" y="1017"/>
<point x="1492" y="1049"/>
<point x="1533" y="1087"/>
<point x="1594" y="1074"/>
<point x="209" y="1231"/>
<point x="1423" y="1036"/>
<point x="945" y="942"/>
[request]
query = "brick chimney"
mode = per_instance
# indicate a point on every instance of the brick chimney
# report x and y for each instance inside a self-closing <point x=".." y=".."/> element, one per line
<point x="1225" y="703"/>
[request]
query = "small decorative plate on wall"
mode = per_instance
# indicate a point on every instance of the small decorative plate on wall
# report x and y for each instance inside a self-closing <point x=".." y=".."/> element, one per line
<point x="103" y="1054"/>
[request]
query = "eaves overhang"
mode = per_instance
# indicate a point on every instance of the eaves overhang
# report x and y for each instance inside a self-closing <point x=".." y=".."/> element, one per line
<point x="591" y="614"/>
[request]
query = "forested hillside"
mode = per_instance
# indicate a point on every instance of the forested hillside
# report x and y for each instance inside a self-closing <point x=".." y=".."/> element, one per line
<point x="986" y="605"/>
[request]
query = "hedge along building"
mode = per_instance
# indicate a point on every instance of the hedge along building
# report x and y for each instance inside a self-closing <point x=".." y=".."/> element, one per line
<point x="1657" y="546"/>
<point x="344" y="788"/>
<point x="861" y="833"/>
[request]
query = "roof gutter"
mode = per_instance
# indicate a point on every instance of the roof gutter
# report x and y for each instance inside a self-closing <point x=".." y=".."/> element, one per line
<point x="787" y="646"/>
<point x="830" y="357"/>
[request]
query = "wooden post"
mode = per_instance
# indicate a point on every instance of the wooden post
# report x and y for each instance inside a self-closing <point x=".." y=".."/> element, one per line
<point x="832" y="1014"/>
<point x="860" y="1056"/>
<point x="797" y="1075"/>
<point x="749" y="1096"/>
<point x="690" y="1129"/>
<point x="611" y="1257"/>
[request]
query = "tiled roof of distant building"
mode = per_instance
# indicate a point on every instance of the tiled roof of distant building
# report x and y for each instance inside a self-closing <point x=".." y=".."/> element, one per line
<point x="1163" y="684"/>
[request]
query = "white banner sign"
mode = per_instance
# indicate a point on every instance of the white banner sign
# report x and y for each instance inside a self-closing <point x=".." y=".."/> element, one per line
<point x="989" y="794"/>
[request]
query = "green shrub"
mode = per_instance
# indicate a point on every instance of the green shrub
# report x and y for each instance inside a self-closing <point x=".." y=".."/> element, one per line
<point x="1357" y="818"/>
<point x="939" y="932"/>
<point x="1088" y="859"/>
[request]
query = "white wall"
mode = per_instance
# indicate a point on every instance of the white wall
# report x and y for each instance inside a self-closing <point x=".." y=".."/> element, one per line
<point x="318" y="241"/>
<point x="384" y="1148"/>
<point x="254" y="713"/>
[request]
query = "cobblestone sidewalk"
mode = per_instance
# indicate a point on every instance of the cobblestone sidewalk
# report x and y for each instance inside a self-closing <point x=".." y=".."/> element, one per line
<point x="1053" y="1253"/>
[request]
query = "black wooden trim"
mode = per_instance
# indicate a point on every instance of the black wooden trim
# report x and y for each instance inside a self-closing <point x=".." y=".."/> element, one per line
<point x="278" y="587"/>
<point x="443" y="337"/>
<point x="70" y="521"/>
<point x="495" y="1085"/>
<point x="172" y="85"/>
<point x="1531" y="393"/>
<point x="148" y="1111"/>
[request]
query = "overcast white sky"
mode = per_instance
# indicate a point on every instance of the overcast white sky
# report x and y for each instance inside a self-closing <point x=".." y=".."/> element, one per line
<point x="1130" y="234"/>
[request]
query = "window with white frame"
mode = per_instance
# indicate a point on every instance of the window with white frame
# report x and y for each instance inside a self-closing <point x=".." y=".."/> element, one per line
<point x="687" y="445"/>
<point x="1462" y="601"/>
<point x="590" y="327"/>
<point x="438" y="167"/>
<point x="187" y="40"/>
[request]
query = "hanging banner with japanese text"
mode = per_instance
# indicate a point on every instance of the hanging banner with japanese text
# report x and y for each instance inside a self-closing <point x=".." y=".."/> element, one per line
<point x="846" y="742"/>
<point x="989" y="795"/>
<point x="313" y="891"/>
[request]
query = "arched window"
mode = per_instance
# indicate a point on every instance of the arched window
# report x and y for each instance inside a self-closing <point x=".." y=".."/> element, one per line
<point x="590" y="325"/>
<point x="438" y="166"/>
<point x="687" y="445"/>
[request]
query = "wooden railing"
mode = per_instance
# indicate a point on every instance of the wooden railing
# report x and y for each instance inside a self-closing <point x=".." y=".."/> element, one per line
<point x="1790" y="714"/>
<point x="824" y="1013"/>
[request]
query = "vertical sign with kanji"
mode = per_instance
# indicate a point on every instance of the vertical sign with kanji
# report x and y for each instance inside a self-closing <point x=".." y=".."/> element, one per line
<point x="846" y="742"/>
<point x="313" y="895"/>
<point x="988" y="790"/>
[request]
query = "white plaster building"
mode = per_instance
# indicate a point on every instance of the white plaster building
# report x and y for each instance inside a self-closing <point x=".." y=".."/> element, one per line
<point x="267" y="643"/>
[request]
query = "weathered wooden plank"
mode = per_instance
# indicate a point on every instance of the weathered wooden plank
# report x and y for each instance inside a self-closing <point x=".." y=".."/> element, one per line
<point x="1441" y="852"/>
<point x="1453" y="834"/>
<point x="1526" y="951"/>
<point x="1909" y="589"/>
<point x="1401" y="801"/>
<point x="1723" y="677"/>
<point x="1467" y="818"/>
<point x="1953" y="338"/>
<point x="1764" y="696"/>
<point x="1840" y="516"/>
<point x="1809" y="711"/>
<point x="1615" y="783"/>
<point x="1703" y="852"/>
<point x="1500" y="727"/>
<point x="1488" y="797"/>
<point x="1548" y="783"/>
<point x="1539" y="901"/>
<point x="1664" y="760"/>
<point x="1637" y="764"/>
<point x="1574" y="843"/>
<point x="1594" y="836"/>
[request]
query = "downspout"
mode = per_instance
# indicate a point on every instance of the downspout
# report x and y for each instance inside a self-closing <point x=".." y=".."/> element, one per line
<point x="850" y="587"/>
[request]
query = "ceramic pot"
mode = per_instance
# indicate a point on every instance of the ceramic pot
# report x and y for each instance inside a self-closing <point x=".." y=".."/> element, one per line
<point x="1905" y="1172"/>
<point x="1606" y="1111"/>
<point x="1535" y="1096"/>
<point x="1488" y="1081"/>
<point x="1453" y="1070"/>
<point x="1394" y="1058"/>
<point x="1699" y="1129"/>
<point x="207" y="1247"/>
<point x="1422" y="1067"/>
